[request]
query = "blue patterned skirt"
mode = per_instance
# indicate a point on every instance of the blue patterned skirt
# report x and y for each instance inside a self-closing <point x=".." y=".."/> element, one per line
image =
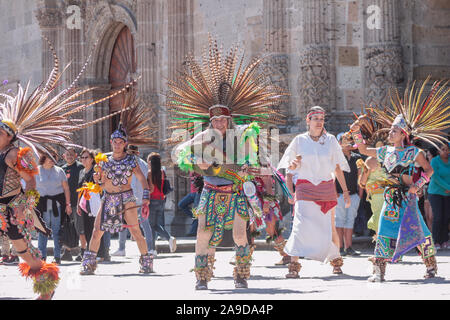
<point x="402" y="229"/>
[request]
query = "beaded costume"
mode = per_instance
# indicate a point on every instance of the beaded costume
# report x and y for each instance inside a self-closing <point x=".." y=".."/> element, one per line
<point x="132" y="129"/>
<point x="401" y="226"/>
<point x="119" y="172"/>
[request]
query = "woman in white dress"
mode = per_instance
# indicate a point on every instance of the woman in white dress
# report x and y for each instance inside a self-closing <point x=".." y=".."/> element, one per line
<point x="316" y="159"/>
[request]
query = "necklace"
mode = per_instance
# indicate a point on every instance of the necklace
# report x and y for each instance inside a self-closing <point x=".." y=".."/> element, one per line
<point x="120" y="170"/>
<point x="316" y="138"/>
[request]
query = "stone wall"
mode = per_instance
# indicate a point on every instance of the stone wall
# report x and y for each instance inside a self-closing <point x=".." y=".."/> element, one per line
<point x="21" y="45"/>
<point x="425" y="38"/>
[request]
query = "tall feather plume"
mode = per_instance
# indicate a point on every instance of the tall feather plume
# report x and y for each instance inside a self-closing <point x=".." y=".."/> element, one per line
<point x="134" y="118"/>
<point x="223" y="79"/>
<point x="43" y="121"/>
<point x="427" y="115"/>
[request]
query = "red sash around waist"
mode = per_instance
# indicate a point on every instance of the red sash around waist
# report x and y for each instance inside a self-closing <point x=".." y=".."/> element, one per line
<point x="324" y="194"/>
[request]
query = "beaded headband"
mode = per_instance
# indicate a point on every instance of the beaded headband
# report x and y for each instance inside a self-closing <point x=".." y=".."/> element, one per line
<point x="218" y="110"/>
<point x="312" y="113"/>
<point x="9" y="127"/>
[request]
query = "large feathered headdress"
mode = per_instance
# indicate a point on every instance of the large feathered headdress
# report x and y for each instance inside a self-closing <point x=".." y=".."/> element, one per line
<point x="133" y="125"/>
<point x="372" y="130"/>
<point x="421" y="117"/>
<point x="42" y="119"/>
<point x="220" y="86"/>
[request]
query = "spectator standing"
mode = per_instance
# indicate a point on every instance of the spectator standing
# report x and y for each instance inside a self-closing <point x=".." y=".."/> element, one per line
<point x="52" y="185"/>
<point x="427" y="210"/>
<point x="439" y="197"/>
<point x="193" y="197"/>
<point x="156" y="177"/>
<point x="88" y="211"/>
<point x="345" y="217"/>
<point x="138" y="192"/>
<point x="72" y="168"/>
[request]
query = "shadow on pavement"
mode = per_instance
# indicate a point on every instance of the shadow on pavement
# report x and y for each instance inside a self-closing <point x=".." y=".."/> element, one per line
<point x="113" y="262"/>
<point x="256" y="277"/>
<point x="261" y="291"/>
<point x="435" y="280"/>
<point x="160" y="257"/>
<point x="153" y="274"/>
<point x="336" y="277"/>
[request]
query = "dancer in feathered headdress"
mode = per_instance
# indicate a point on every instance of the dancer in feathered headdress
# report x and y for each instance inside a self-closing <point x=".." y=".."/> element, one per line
<point x="114" y="174"/>
<point x="414" y="118"/>
<point x="41" y="121"/>
<point x="372" y="177"/>
<point x="224" y="94"/>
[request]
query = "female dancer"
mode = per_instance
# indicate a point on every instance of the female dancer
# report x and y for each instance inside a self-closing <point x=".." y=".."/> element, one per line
<point x="315" y="156"/>
<point x="401" y="226"/>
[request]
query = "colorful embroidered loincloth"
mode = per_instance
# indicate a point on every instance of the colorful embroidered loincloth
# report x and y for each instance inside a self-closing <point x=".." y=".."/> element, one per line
<point x="15" y="227"/>
<point x="324" y="194"/>
<point x="113" y="208"/>
<point x="219" y="204"/>
<point x="7" y="214"/>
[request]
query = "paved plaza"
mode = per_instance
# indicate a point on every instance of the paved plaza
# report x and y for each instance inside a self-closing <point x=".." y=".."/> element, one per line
<point x="172" y="280"/>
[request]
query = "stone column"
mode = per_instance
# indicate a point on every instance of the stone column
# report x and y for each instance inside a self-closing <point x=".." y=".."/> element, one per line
<point x="50" y="20"/>
<point x="277" y="64"/>
<point x="180" y="29"/>
<point x="382" y="50"/>
<point x="73" y="45"/>
<point x="179" y="44"/>
<point x="148" y="47"/>
<point x="315" y="71"/>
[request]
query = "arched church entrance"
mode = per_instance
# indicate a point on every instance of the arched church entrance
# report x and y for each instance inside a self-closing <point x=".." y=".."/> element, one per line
<point x="121" y="69"/>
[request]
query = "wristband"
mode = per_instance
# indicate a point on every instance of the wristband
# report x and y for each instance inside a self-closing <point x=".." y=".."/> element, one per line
<point x="146" y="194"/>
<point x="422" y="181"/>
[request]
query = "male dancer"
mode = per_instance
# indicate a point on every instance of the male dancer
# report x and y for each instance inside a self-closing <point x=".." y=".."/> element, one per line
<point x="113" y="174"/>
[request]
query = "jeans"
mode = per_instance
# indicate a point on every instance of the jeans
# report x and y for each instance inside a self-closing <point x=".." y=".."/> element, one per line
<point x="55" y="225"/>
<point x="156" y="220"/>
<point x="145" y="224"/>
<point x="191" y="198"/>
<point x="441" y="217"/>
<point x="185" y="202"/>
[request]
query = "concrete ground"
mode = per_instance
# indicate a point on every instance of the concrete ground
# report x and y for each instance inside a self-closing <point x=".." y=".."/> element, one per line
<point x="172" y="280"/>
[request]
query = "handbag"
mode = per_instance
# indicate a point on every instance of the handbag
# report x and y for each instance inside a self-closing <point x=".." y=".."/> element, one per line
<point x="68" y="234"/>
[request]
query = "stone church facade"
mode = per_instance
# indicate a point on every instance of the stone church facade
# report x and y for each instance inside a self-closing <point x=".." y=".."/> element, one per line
<point x="339" y="54"/>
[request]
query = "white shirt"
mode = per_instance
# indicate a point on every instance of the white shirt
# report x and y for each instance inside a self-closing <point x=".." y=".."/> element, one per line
<point x="319" y="159"/>
<point x="136" y="186"/>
